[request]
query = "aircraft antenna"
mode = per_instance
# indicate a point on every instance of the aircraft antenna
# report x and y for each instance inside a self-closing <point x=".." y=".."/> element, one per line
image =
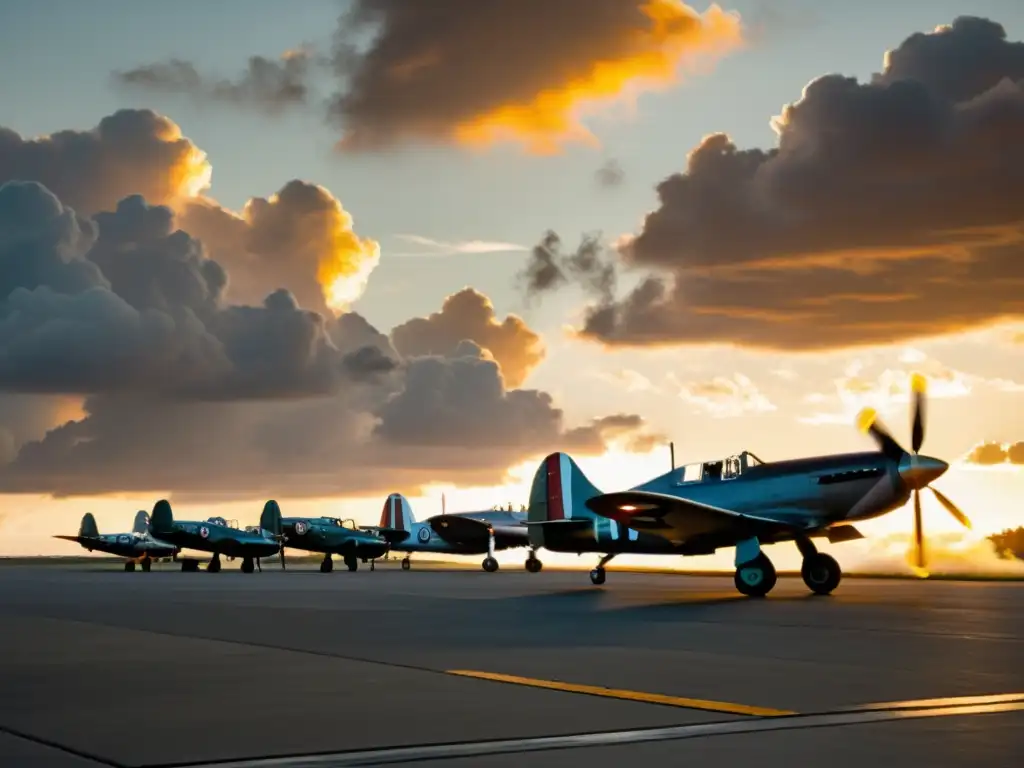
<point x="672" y="454"/>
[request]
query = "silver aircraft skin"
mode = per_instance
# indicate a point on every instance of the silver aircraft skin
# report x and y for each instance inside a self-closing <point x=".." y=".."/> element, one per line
<point x="481" y="532"/>
<point x="139" y="546"/>
<point x="741" y="502"/>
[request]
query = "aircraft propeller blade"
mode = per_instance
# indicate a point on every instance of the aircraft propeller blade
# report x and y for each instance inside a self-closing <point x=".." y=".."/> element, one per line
<point x="918" y="386"/>
<point x="918" y="532"/>
<point x="868" y="421"/>
<point x="951" y="508"/>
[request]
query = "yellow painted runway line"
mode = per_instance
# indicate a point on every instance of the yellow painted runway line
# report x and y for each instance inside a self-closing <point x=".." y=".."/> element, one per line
<point x="949" y="701"/>
<point x="618" y="693"/>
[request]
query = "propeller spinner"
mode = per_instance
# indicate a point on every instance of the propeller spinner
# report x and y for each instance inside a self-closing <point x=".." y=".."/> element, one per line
<point x="917" y="471"/>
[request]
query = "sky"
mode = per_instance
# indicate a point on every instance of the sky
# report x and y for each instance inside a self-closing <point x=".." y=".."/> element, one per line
<point x="522" y="229"/>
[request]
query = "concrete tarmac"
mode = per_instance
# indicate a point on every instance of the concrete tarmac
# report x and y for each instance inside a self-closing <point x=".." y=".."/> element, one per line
<point x="465" y="668"/>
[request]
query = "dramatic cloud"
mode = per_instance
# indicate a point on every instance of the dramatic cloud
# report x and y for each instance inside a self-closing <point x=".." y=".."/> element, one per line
<point x="889" y="210"/>
<point x="299" y="238"/>
<point x="610" y="174"/>
<point x="469" y="316"/>
<point x="124" y="367"/>
<point x="991" y="454"/>
<point x="129" y="152"/>
<point x="476" y="73"/>
<point x="266" y="83"/>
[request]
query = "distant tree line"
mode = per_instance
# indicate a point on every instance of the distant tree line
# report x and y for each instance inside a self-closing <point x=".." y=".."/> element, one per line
<point x="1009" y="543"/>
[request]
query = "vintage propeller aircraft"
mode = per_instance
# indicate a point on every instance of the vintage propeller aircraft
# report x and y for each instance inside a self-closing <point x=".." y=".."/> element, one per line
<point x="216" y="536"/>
<point x="742" y="502"/>
<point x="324" y="534"/>
<point x="138" y="546"/>
<point x="483" y="532"/>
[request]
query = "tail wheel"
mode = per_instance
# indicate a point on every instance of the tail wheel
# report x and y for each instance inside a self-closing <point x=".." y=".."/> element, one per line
<point x="490" y="564"/>
<point x="533" y="564"/>
<point x="597" y="576"/>
<point x="406" y="563"/>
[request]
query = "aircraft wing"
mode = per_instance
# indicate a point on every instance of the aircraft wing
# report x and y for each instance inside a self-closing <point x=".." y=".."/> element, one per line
<point x="390" y="535"/>
<point x="463" y="529"/>
<point x="679" y="519"/>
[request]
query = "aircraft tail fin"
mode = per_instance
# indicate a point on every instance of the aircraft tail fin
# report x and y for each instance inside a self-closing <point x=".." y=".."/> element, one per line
<point x="558" y="495"/>
<point x="397" y="514"/>
<point x="162" y="519"/>
<point x="270" y="519"/>
<point x="141" y="524"/>
<point x="88" y="527"/>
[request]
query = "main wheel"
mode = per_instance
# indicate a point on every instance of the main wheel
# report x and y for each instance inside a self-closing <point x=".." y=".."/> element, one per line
<point x="756" y="578"/>
<point x="146" y="564"/>
<point x="129" y="566"/>
<point x="597" y="576"/>
<point x="352" y="562"/>
<point x="406" y="563"/>
<point x="248" y="566"/>
<point x="490" y="564"/>
<point x="821" y="573"/>
<point x="326" y="566"/>
<point x="533" y="564"/>
<point x="213" y="566"/>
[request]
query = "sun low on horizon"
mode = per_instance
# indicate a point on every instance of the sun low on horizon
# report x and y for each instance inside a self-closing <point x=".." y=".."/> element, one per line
<point x="401" y="250"/>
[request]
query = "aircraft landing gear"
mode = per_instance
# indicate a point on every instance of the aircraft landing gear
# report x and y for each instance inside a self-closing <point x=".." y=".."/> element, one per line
<point x="597" y="576"/>
<point x="146" y="564"/>
<point x="129" y="566"/>
<point x="247" y="565"/>
<point x="214" y="565"/>
<point x="533" y="563"/>
<point x="406" y="563"/>
<point x="756" y="577"/>
<point x="188" y="565"/>
<point x="821" y="572"/>
<point x="352" y="562"/>
<point x="327" y="564"/>
<point x="490" y="564"/>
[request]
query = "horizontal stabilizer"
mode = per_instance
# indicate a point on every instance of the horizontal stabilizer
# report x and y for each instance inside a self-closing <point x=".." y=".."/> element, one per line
<point x="577" y="522"/>
<point x="466" y="530"/>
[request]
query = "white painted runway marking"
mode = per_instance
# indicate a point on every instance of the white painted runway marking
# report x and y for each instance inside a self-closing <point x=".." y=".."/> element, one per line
<point x="393" y="755"/>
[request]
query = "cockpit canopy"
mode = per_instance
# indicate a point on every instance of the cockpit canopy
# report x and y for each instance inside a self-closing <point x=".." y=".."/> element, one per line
<point x="217" y="520"/>
<point x="347" y="523"/>
<point x="719" y="469"/>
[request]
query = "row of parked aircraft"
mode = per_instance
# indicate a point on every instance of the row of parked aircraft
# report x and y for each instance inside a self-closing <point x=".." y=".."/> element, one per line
<point x="740" y="502"/>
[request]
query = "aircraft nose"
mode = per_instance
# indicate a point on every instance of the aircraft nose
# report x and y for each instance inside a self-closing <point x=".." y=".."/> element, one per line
<point x="919" y="471"/>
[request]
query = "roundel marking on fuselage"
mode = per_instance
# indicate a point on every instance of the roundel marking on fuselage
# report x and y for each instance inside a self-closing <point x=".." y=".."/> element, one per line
<point x="424" y="534"/>
<point x="204" y="531"/>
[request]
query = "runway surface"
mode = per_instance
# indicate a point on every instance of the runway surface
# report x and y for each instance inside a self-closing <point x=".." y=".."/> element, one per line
<point x="104" y="668"/>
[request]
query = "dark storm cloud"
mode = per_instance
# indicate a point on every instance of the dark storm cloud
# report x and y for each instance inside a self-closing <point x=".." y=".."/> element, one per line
<point x="469" y="316"/>
<point x="270" y="84"/>
<point x="445" y="69"/>
<point x="185" y="393"/>
<point x="133" y="151"/>
<point x="889" y="210"/>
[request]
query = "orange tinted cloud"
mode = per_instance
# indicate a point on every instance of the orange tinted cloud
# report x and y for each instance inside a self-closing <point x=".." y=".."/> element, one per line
<point x="527" y="72"/>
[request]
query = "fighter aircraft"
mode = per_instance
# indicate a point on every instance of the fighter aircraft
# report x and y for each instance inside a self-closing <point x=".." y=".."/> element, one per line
<point x="138" y="546"/>
<point x="459" y="533"/>
<point x="325" y="534"/>
<point x="216" y="536"/>
<point x="742" y="502"/>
